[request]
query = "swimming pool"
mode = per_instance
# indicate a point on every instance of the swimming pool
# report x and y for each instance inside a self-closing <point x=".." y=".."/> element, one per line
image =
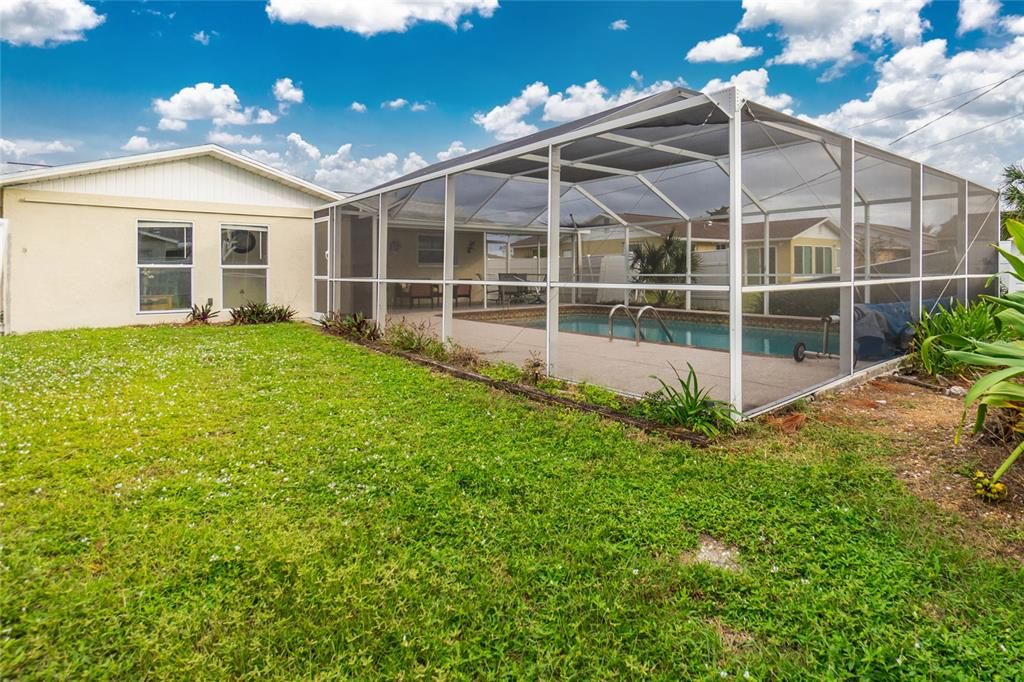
<point x="762" y="340"/>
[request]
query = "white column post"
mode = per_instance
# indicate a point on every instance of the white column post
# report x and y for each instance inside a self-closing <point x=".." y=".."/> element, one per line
<point x="964" y="239"/>
<point x="625" y="255"/>
<point x="331" y="270"/>
<point x="766" y="279"/>
<point x="554" y="223"/>
<point x="867" y="250"/>
<point x="449" y="258"/>
<point x="734" y="111"/>
<point x="381" y="312"/>
<point x="847" y="257"/>
<point x="689" y="259"/>
<point x="916" y="238"/>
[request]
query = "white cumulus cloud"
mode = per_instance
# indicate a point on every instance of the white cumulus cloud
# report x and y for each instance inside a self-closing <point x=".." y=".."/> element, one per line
<point x="394" y="104"/>
<point x="358" y="107"/>
<point x="344" y="172"/>
<point x="231" y="139"/>
<point x="369" y="18"/>
<point x="456" y="148"/>
<point x="303" y="146"/>
<point x="753" y="84"/>
<point x="203" y="101"/>
<point x="977" y="14"/>
<point x="1014" y="24"/>
<point x="505" y="121"/>
<point x="202" y="37"/>
<point x="286" y="93"/>
<point x="905" y="96"/>
<point x="139" y="143"/>
<point x="46" y="23"/>
<point x="20" y="149"/>
<point x="619" y="25"/>
<point x="727" y="48"/>
<point x="508" y="121"/>
<point x="831" y="32"/>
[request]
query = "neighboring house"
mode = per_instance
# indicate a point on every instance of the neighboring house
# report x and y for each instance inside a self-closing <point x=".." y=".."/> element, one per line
<point x="139" y="239"/>
<point x="799" y="249"/>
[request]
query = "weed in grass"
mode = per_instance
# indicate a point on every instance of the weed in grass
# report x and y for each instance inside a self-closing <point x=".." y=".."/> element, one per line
<point x="598" y="395"/>
<point x="502" y="371"/>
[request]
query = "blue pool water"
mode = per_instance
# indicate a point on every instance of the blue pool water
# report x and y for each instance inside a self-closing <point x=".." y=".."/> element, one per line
<point x="690" y="333"/>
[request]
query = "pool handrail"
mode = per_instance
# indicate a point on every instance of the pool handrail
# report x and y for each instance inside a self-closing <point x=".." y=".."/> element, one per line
<point x="657" y="317"/>
<point x="629" y="314"/>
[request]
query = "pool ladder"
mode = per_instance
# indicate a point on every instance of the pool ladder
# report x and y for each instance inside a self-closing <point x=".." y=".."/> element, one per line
<point x="638" y="332"/>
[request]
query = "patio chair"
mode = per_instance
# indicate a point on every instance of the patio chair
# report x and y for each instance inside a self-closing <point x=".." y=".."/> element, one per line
<point x="422" y="291"/>
<point x="462" y="291"/>
<point x="508" y="295"/>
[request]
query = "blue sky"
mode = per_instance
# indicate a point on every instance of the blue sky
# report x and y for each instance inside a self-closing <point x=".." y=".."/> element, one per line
<point x="80" y="80"/>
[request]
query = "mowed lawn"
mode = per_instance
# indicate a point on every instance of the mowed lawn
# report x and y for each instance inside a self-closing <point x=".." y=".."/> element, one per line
<point x="269" y="502"/>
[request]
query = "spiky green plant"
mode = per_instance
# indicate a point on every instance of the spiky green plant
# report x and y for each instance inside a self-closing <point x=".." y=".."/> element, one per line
<point x="1003" y="358"/>
<point x="201" y="314"/>
<point x="689" y="405"/>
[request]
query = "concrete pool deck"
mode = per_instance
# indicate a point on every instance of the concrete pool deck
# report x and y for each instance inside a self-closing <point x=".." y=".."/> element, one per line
<point x="624" y="366"/>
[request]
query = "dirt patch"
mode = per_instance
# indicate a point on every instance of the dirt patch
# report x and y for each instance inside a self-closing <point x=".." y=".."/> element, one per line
<point x="921" y="424"/>
<point x="732" y="640"/>
<point x="713" y="552"/>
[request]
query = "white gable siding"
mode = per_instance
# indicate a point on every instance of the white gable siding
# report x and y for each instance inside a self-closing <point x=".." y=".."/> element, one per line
<point x="198" y="178"/>
<point x="822" y="230"/>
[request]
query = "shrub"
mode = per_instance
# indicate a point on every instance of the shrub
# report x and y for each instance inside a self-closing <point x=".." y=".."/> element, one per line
<point x="1000" y="390"/>
<point x="355" y="327"/>
<point x="974" y="321"/>
<point x="534" y="369"/>
<point x="687" y="405"/>
<point x="201" y="314"/>
<point x="415" y="337"/>
<point x="461" y="356"/>
<point x="261" y="313"/>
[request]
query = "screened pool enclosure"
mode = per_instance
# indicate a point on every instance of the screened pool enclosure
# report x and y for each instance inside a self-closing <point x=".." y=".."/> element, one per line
<point x="772" y="255"/>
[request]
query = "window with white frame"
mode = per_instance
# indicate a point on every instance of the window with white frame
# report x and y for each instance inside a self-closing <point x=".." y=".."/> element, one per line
<point x="430" y="249"/>
<point x="165" y="265"/>
<point x="243" y="259"/>
<point x="812" y="260"/>
<point x="755" y="270"/>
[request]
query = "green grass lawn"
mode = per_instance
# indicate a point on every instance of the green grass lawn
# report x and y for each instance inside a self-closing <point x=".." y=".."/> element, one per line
<point x="269" y="502"/>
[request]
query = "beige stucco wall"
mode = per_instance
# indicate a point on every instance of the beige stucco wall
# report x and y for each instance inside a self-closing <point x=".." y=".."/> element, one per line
<point x="73" y="259"/>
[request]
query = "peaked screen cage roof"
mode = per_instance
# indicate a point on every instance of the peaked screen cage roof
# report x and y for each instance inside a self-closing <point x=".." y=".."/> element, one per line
<point x="855" y="240"/>
<point x="625" y="166"/>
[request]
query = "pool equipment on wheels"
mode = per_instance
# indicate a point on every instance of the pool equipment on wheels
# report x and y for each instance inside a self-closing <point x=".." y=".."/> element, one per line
<point x="800" y="349"/>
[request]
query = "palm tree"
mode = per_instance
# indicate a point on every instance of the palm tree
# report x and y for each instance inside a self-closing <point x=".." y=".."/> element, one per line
<point x="1013" y="193"/>
<point x="667" y="257"/>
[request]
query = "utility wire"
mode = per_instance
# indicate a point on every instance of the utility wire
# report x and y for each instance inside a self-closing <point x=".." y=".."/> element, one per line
<point x="957" y="107"/>
<point x="923" y="106"/>
<point x="970" y="132"/>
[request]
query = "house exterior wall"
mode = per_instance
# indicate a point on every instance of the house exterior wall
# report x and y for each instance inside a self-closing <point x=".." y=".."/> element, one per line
<point x="200" y="178"/>
<point x="73" y="257"/>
